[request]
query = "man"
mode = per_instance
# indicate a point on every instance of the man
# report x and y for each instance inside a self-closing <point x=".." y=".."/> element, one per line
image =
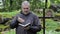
<point x="26" y="16"/>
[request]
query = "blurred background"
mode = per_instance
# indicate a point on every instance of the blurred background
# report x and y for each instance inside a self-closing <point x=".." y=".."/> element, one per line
<point x="9" y="8"/>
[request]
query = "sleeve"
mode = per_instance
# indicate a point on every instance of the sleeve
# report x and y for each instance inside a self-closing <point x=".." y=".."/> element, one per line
<point x="36" y="25"/>
<point x="13" y="23"/>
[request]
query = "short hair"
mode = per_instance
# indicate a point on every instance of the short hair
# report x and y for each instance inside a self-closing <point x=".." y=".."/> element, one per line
<point x="25" y="3"/>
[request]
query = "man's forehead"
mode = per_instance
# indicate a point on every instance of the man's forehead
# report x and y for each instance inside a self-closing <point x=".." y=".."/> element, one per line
<point x="25" y="6"/>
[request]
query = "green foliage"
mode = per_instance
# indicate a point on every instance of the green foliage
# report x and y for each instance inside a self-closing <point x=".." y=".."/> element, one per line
<point x="51" y="26"/>
<point x="9" y="14"/>
<point x="48" y="4"/>
<point x="57" y="14"/>
<point x="16" y="5"/>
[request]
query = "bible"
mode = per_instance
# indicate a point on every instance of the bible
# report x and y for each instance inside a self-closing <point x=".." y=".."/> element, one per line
<point x="24" y="25"/>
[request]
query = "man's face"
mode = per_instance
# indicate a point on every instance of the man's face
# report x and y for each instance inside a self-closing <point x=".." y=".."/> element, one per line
<point x="25" y="9"/>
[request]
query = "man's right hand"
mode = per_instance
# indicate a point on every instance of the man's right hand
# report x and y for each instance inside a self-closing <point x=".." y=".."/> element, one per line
<point x="27" y="28"/>
<point x="21" y="20"/>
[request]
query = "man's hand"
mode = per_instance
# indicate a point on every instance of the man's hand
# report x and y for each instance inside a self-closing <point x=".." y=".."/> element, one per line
<point x="21" y="20"/>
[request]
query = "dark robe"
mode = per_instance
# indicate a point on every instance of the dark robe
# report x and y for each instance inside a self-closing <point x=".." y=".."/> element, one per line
<point x="35" y="25"/>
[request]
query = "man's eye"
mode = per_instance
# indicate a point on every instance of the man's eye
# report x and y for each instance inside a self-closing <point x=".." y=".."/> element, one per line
<point x="25" y="8"/>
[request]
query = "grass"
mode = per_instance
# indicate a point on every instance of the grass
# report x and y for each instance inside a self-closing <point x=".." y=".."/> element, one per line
<point x="51" y="26"/>
<point x="9" y="14"/>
